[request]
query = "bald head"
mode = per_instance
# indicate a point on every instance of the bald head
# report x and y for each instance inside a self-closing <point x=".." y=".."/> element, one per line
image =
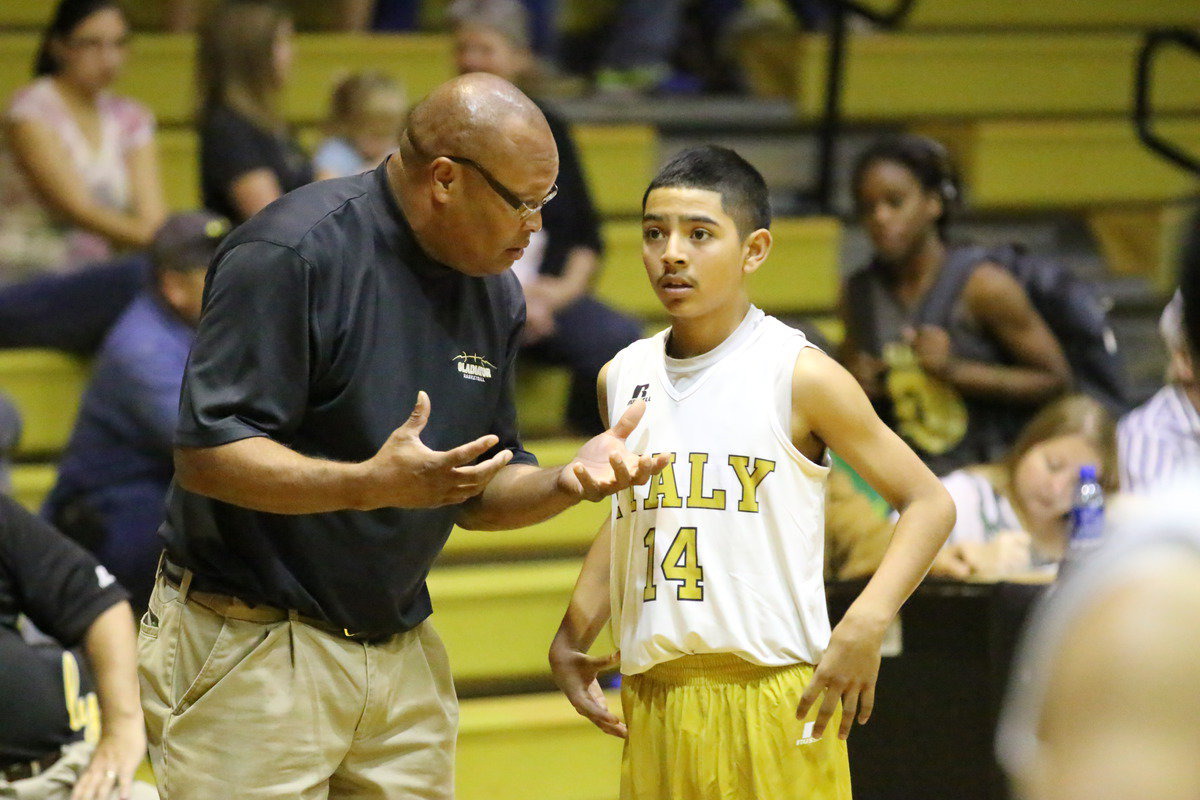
<point x="476" y="164"/>
<point x="481" y="117"/>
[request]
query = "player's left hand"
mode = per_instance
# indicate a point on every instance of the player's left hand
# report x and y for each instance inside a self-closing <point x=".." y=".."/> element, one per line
<point x="847" y="674"/>
<point x="116" y="758"/>
<point x="604" y="465"/>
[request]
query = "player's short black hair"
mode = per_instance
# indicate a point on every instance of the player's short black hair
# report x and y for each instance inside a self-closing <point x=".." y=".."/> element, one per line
<point x="928" y="161"/>
<point x="719" y="169"/>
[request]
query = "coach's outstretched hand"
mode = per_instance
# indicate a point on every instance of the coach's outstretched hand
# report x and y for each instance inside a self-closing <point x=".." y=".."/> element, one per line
<point x="407" y="474"/>
<point x="604" y="465"/>
<point x="847" y="674"/>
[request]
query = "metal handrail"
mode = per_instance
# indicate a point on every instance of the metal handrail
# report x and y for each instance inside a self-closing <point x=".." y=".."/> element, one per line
<point x="831" y="118"/>
<point x="1143" y="111"/>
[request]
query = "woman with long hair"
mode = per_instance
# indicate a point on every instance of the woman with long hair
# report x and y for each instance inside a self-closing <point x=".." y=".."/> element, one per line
<point x="79" y="175"/>
<point x="248" y="156"/>
<point x="1014" y="514"/>
<point x="947" y="344"/>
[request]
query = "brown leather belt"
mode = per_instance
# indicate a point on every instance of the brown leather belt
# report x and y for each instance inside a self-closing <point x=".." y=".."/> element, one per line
<point x="235" y="608"/>
<point x="28" y="769"/>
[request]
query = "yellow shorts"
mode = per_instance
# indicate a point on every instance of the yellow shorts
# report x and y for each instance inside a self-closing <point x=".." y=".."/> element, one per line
<point x="716" y="727"/>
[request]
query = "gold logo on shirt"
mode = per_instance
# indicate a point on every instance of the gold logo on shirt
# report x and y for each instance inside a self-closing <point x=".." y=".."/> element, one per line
<point x="474" y="367"/>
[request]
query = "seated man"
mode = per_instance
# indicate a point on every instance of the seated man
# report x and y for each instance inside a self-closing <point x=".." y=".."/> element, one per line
<point x="51" y="743"/>
<point x="114" y="474"/>
<point x="564" y="324"/>
<point x="1161" y="438"/>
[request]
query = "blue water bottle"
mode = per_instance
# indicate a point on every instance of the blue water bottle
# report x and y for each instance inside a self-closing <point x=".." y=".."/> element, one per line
<point x="1087" y="518"/>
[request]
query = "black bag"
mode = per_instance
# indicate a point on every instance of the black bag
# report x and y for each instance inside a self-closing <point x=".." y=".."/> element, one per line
<point x="1071" y="307"/>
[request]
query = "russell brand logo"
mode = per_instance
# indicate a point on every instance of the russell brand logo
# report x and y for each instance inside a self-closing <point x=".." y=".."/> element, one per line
<point x="473" y="367"/>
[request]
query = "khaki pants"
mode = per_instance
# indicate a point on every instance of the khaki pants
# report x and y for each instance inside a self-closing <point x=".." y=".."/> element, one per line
<point x="57" y="782"/>
<point x="284" y="710"/>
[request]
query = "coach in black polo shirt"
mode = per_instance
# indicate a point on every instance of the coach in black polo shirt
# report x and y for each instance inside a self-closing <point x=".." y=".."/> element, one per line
<point x="286" y="652"/>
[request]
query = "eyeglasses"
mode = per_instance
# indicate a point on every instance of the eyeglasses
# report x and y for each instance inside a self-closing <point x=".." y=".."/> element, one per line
<point x="524" y="210"/>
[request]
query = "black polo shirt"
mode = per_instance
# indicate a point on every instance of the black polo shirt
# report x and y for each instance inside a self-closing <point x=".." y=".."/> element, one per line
<point x="322" y="320"/>
<point x="46" y="692"/>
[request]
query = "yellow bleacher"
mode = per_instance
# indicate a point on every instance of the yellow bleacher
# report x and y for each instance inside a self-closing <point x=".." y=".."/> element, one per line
<point x="618" y="162"/>
<point x="917" y="76"/>
<point x="534" y="746"/>
<point x="46" y="386"/>
<point x="523" y="600"/>
<point x="161" y="69"/>
<point x="801" y="274"/>
<point x="1038" y="14"/>
<point x="31" y="483"/>
<point x="1035" y="164"/>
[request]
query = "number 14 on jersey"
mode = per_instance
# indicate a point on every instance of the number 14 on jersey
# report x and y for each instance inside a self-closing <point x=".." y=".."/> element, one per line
<point x="680" y="564"/>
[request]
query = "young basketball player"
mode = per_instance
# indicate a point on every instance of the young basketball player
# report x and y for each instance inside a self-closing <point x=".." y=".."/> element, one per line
<point x="712" y="571"/>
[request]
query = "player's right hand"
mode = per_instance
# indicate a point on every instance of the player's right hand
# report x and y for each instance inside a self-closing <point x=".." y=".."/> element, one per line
<point x="407" y="474"/>
<point x="575" y="673"/>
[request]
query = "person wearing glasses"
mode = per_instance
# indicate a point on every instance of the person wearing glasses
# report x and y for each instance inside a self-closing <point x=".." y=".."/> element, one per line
<point x="79" y="177"/>
<point x="347" y="401"/>
<point x="564" y="324"/>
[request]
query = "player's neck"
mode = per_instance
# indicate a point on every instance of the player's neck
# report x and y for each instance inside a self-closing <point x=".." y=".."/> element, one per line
<point x="694" y="336"/>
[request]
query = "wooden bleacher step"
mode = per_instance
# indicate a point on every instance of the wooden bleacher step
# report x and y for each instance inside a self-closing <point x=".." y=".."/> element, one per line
<point x="918" y="76"/>
<point x="534" y="746"/>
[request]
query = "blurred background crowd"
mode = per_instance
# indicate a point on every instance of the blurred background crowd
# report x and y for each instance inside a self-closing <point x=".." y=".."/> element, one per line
<point x="966" y="218"/>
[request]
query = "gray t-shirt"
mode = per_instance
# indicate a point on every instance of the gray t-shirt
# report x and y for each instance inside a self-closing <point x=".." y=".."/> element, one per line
<point x="322" y="320"/>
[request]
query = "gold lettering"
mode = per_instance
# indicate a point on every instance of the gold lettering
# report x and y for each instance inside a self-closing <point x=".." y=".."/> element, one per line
<point x="663" y="489"/>
<point x="696" y="498"/>
<point x="750" y="481"/>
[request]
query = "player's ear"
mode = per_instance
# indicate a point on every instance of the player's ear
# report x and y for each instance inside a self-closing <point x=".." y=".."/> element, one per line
<point x="755" y="250"/>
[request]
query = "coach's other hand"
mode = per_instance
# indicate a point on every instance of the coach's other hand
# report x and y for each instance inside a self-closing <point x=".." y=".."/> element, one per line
<point x="407" y="474"/>
<point x="847" y="674"/>
<point x="604" y="465"/>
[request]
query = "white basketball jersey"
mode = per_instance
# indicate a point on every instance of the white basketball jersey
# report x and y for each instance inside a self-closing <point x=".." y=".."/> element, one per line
<point x="723" y="551"/>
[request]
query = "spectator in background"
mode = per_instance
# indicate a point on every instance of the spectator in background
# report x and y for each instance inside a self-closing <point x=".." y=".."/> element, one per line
<point x="957" y="391"/>
<point x="79" y="177"/>
<point x="113" y="477"/>
<point x="248" y="157"/>
<point x="366" y="116"/>
<point x="564" y="324"/>
<point x="1161" y="438"/>
<point x="1013" y="514"/>
<point x="56" y="740"/>
<point x="1104" y="699"/>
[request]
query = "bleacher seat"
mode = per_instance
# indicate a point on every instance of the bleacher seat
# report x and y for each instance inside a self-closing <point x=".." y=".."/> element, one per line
<point x="46" y="386"/>
<point x="914" y="76"/>
<point x="1040" y="15"/>
<point x="497" y="620"/>
<point x="31" y="483"/>
<point x="618" y="163"/>
<point x="567" y="534"/>
<point x="1026" y="165"/>
<point x="534" y="746"/>
<point x="800" y="275"/>
<point x="161" y="69"/>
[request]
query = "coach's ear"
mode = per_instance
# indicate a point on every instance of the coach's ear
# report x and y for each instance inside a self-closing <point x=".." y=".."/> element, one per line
<point x="755" y="250"/>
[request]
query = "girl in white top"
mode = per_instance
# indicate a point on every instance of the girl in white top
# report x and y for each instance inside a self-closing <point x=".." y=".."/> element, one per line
<point x="1012" y="516"/>
<point x="79" y="174"/>
<point x="718" y="559"/>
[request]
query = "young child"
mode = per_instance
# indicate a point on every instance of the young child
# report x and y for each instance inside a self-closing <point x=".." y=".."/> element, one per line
<point x="712" y="571"/>
<point x="366" y="116"/>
